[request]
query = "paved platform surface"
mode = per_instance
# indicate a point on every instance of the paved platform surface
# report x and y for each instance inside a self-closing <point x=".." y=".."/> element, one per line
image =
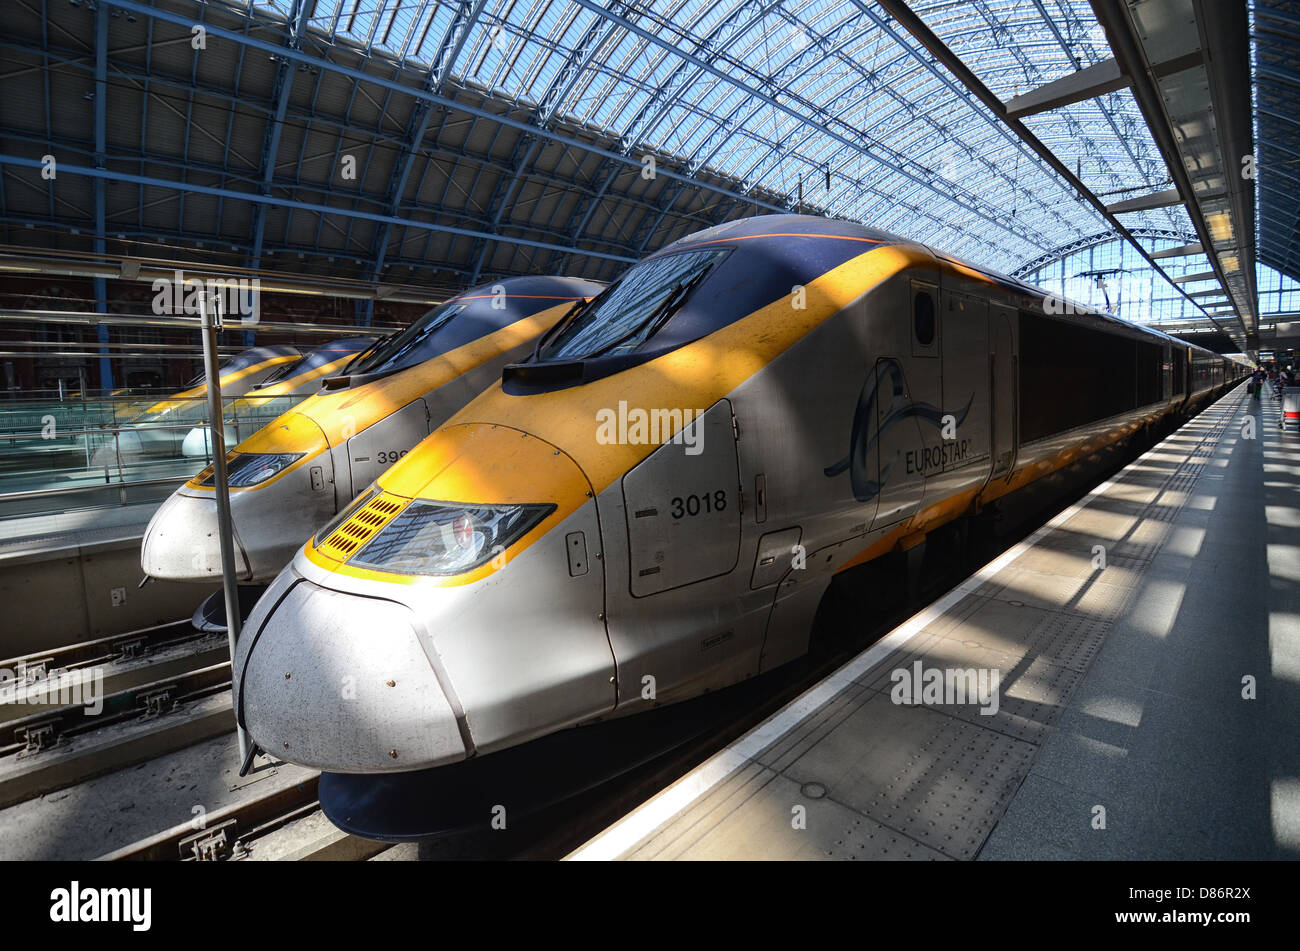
<point x="1146" y="709"/>
<point x="76" y="529"/>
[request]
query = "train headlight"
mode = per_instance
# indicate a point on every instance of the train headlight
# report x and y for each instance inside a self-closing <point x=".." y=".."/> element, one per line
<point x="437" y="538"/>
<point x="244" y="469"/>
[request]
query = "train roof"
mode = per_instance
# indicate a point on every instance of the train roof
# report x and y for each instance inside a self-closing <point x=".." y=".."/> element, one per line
<point x="812" y="225"/>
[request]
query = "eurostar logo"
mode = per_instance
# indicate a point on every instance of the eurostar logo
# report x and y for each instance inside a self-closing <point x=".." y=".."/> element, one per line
<point x="867" y="430"/>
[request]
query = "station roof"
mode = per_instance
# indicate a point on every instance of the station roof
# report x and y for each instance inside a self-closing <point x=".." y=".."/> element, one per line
<point x="1277" y="111"/>
<point x="494" y="137"/>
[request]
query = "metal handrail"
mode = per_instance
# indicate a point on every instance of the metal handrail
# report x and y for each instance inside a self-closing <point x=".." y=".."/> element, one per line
<point x="98" y="487"/>
<point x="117" y="430"/>
<point x="113" y="461"/>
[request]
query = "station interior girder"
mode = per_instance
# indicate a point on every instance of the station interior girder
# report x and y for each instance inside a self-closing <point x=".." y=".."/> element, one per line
<point x="408" y="145"/>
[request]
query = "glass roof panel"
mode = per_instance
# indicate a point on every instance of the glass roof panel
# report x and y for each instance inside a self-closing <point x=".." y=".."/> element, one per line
<point x="780" y="95"/>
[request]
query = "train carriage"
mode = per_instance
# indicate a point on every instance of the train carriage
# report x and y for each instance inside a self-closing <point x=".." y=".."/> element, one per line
<point x="654" y="504"/>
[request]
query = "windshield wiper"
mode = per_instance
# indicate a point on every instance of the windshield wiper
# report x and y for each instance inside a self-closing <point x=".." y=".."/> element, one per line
<point x="356" y="360"/>
<point x="558" y="326"/>
<point x="657" y="317"/>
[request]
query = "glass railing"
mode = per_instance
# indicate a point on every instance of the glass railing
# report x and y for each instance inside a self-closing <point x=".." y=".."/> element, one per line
<point x="56" y="456"/>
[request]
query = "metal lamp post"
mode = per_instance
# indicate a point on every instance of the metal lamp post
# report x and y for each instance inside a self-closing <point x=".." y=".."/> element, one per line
<point x="210" y="319"/>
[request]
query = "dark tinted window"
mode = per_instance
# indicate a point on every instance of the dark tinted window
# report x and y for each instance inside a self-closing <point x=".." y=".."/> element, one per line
<point x="413" y="345"/>
<point x="1150" y="373"/>
<point x="1180" y="371"/>
<point x="923" y="319"/>
<point x="632" y="310"/>
<point x="242" y="361"/>
<point x="315" y="359"/>
<point x="1072" y="375"/>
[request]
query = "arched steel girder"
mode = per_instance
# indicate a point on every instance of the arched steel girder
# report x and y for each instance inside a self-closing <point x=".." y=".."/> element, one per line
<point x="1027" y="65"/>
<point x="848" y="145"/>
<point x="769" y="160"/>
<point x="958" y="91"/>
<point x="998" y="129"/>
<point x="582" y="215"/>
<point x="681" y="94"/>
<point x="848" y="181"/>
<point x="820" y="119"/>
<point x="190" y="187"/>
<point x="724" y="125"/>
<point x="297" y="28"/>
<point x="65" y="147"/>
<point x="453" y="41"/>
<point x="758" y="105"/>
<point x="527" y="147"/>
<point x="1101" y="237"/>
<point x="373" y="79"/>
<point x="641" y="129"/>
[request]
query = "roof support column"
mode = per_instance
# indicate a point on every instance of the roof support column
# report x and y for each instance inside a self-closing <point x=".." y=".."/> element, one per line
<point x="467" y="14"/>
<point x="301" y="15"/>
<point x="101" y="149"/>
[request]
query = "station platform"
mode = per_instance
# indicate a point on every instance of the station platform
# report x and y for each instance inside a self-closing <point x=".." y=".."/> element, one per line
<point x="1147" y="701"/>
<point x="75" y="576"/>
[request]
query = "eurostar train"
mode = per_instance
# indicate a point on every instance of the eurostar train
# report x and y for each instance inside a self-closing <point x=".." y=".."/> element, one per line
<point x="297" y="471"/>
<point x="157" y="430"/>
<point x="306" y="372"/>
<point x="541" y="562"/>
<point x="238" y="375"/>
<point x="265" y="398"/>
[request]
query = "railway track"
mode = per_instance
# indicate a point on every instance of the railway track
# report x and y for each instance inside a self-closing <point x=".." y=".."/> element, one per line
<point x="273" y="813"/>
<point x="116" y="663"/>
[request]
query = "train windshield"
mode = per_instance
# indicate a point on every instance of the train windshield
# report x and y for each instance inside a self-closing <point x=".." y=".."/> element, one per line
<point x="242" y="361"/>
<point x="315" y="359"/>
<point x="413" y="345"/>
<point x="633" y="309"/>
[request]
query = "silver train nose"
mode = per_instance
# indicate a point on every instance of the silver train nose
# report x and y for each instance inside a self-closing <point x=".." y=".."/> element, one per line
<point x="342" y="683"/>
<point x="182" y="544"/>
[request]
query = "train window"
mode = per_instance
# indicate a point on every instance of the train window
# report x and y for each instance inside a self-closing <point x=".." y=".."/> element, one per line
<point x="923" y="318"/>
<point x="409" y="347"/>
<point x="319" y="357"/>
<point x="244" y="360"/>
<point x="634" y="308"/>
<point x="1150" y="373"/>
<point x="1071" y="375"/>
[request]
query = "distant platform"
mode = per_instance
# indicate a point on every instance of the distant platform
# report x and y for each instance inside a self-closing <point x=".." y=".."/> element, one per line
<point x="75" y="576"/>
<point x="1146" y="708"/>
<point x="79" y="528"/>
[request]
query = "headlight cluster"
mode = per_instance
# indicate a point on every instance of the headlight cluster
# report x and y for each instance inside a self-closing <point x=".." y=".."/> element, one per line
<point x="246" y="469"/>
<point x="437" y="538"/>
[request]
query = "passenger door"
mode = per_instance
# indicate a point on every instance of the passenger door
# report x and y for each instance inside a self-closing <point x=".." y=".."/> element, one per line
<point x="672" y="612"/>
<point x="1002" y="377"/>
<point x="378" y="446"/>
<point x="683" y="507"/>
<point x="898" y="438"/>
